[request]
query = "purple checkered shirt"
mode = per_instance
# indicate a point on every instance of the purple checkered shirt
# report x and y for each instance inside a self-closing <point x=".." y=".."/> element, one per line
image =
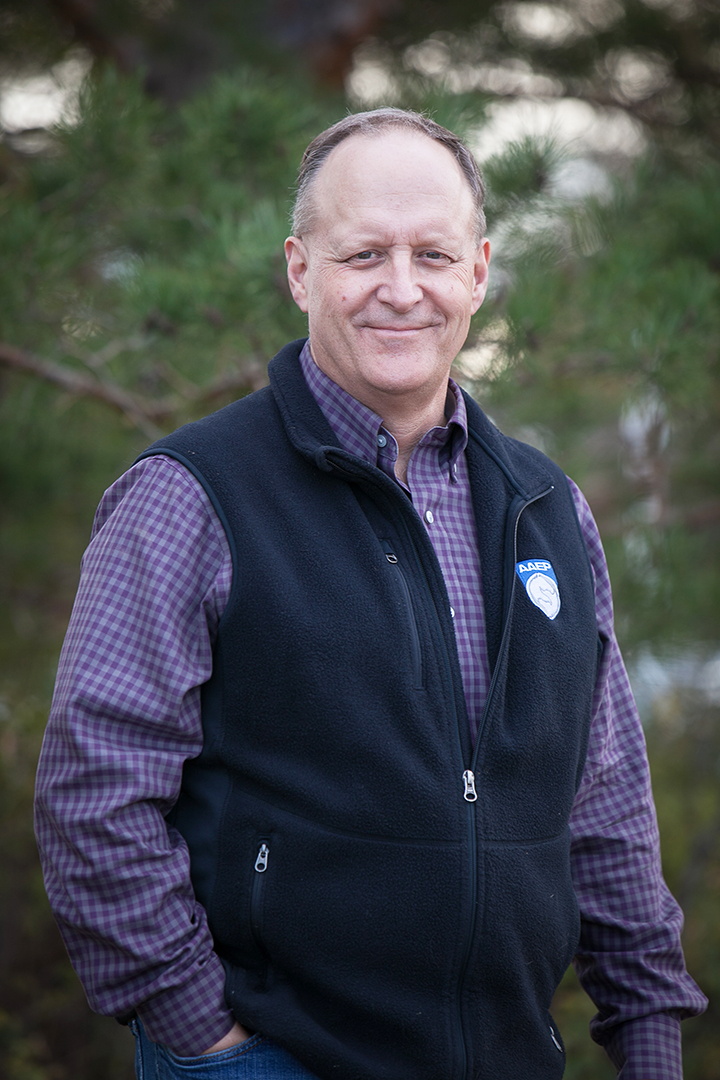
<point x="126" y="715"/>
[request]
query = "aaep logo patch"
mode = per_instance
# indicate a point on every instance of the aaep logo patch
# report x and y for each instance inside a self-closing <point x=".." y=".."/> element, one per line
<point x="538" y="577"/>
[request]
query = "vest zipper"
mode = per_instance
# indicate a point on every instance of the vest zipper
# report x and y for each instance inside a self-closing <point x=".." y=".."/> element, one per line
<point x="469" y="774"/>
<point x="470" y="796"/>
<point x="472" y="856"/>
<point x="256" y="895"/>
<point x="468" y="782"/>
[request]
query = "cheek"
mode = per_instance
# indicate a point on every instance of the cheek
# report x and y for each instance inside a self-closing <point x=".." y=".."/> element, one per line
<point x="342" y="299"/>
<point x="460" y="297"/>
<point x="346" y="300"/>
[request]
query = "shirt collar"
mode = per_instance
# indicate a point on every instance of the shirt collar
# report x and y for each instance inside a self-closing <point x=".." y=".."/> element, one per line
<point x="360" y="431"/>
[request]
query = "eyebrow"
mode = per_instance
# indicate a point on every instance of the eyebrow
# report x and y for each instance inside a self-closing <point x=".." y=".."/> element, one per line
<point x="363" y="239"/>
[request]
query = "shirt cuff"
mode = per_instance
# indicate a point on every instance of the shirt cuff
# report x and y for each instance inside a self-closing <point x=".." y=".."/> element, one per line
<point x="190" y="1018"/>
<point x="648" y="1048"/>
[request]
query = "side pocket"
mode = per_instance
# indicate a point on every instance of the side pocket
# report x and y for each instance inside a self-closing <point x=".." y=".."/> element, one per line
<point x="555" y="1036"/>
<point x="414" y="635"/>
<point x="223" y="1063"/>
<point x="257" y="893"/>
<point x="141" y="1072"/>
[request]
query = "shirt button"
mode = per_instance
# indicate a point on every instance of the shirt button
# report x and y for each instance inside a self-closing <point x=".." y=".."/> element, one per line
<point x="452" y="612"/>
<point x="382" y="440"/>
<point x="429" y="517"/>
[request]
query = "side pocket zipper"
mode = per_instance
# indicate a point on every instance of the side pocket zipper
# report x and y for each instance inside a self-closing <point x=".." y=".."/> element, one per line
<point x="256" y="895"/>
<point x="414" y="635"/>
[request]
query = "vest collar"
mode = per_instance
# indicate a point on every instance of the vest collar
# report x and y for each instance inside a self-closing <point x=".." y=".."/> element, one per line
<point x="311" y="434"/>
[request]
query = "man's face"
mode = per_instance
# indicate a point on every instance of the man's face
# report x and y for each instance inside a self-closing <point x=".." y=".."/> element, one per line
<point x="391" y="271"/>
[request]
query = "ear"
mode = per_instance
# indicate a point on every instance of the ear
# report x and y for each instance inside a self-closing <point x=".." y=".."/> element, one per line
<point x="480" y="282"/>
<point x="297" y="268"/>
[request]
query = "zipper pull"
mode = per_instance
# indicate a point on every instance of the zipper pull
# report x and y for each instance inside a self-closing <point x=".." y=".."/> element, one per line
<point x="470" y="794"/>
<point x="389" y="553"/>
<point x="557" y="1044"/>
<point x="261" y="861"/>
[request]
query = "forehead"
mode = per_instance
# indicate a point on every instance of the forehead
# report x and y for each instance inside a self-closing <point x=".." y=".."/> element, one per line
<point x="395" y="173"/>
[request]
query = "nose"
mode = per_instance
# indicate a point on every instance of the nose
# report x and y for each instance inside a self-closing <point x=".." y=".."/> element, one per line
<point x="400" y="287"/>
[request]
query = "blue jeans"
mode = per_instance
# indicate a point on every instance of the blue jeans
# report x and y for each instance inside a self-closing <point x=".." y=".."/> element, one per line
<point x="256" y="1059"/>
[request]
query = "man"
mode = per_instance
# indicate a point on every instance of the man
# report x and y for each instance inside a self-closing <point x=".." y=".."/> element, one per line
<point x="343" y="768"/>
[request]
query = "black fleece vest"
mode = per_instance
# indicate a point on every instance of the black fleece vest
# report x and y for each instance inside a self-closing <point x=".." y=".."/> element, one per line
<point x="371" y="919"/>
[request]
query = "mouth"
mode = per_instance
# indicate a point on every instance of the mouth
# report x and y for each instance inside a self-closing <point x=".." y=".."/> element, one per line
<point x="399" y="329"/>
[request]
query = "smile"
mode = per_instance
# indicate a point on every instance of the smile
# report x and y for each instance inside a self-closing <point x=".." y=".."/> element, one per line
<point x="399" y="329"/>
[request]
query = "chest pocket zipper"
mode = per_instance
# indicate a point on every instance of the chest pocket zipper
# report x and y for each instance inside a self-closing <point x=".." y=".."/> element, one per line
<point x="414" y="635"/>
<point x="256" y="896"/>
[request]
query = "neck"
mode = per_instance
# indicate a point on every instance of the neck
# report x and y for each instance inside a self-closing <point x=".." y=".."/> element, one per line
<point x="407" y="416"/>
<point x="407" y="425"/>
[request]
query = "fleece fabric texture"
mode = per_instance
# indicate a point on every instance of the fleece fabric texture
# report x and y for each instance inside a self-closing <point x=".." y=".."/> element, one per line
<point x="371" y="920"/>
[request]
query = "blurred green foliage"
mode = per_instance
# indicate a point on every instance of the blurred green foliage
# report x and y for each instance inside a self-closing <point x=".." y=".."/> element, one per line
<point x="147" y="240"/>
<point x="611" y="359"/>
<point x="142" y="250"/>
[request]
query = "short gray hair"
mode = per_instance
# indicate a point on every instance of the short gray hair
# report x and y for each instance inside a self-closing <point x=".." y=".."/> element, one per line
<point x="374" y="123"/>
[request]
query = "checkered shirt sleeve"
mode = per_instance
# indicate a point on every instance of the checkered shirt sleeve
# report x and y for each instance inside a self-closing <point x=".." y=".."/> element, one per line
<point x="124" y="718"/>
<point x="630" y="959"/>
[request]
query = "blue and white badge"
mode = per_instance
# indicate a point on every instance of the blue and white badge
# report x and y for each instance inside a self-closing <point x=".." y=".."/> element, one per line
<point x="538" y="577"/>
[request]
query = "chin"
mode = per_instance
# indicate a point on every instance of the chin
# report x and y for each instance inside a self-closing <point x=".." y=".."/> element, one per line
<point x="401" y="385"/>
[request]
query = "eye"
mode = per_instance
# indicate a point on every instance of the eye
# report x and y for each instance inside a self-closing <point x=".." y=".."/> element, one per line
<point x="363" y="256"/>
<point x="435" y="256"/>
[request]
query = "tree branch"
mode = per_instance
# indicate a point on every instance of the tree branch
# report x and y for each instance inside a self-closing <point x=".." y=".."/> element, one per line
<point x="140" y="410"/>
<point x="80" y="385"/>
